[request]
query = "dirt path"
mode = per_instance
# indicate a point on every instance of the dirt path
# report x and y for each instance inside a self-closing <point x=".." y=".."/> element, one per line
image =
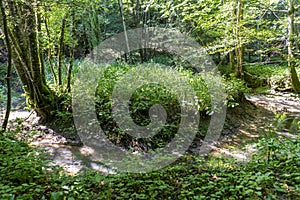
<point x="278" y="102"/>
<point x="62" y="151"/>
<point x="244" y="124"/>
<point x="254" y="120"/>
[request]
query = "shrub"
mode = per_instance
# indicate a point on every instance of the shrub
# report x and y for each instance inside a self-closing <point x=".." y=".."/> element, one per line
<point x="275" y="76"/>
<point x="151" y="94"/>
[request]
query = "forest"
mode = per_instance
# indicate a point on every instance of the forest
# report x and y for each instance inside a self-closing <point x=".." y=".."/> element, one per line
<point x="149" y="99"/>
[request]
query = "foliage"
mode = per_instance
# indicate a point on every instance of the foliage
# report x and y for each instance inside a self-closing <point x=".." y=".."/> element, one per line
<point x="21" y="169"/>
<point x="277" y="77"/>
<point x="66" y="31"/>
<point x="235" y="89"/>
<point x="270" y="175"/>
<point x="2" y="95"/>
<point x="290" y="123"/>
<point x="151" y="94"/>
<point x="141" y="101"/>
<point x="17" y="98"/>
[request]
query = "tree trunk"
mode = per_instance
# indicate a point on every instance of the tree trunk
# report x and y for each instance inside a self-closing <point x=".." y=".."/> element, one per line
<point x="9" y="66"/>
<point x="231" y="60"/>
<point x="49" y="52"/>
<point x="125" y="30"/>
<point x="291" y="35"/>
<point x="232" y="31"/>
<point x="23" y="35"/>
<point x="239" y="48"/>
<point x="60" y="51"/>
<point x="72" y="47"/>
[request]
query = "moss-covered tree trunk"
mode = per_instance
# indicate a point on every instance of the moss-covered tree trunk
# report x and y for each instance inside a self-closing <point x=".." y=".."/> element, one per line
<point x="9" y="66"/>
<point x="23" y="34"/>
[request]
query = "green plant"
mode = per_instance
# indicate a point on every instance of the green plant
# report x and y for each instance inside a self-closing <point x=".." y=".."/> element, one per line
<point x="147" y="95"/>
<point x="235" y="89"/>
<point x="24" y="175"/>
<point x="21" y="169"/>
<point x="274" y="76"/>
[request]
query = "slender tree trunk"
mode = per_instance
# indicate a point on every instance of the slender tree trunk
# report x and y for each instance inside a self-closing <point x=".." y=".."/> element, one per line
<point x="125" y="30"/>
<point x="49" y="53"/>
<point x="60" y="51"/>
<point x="94" y="26"/>
<point x="9" y="66"/>
<point x="41" y="53"/>
<point x="88" y="46"/>
<point x="231" y="60"/>
<point x="239" y="49"/>
<point x="70" y="67"/>
<point x="138" y="19"/>
<point x="51" y="66"/>
<point x="291" y="34"/>
<point x="69" y="73"/>
<point x="231" y="53"/>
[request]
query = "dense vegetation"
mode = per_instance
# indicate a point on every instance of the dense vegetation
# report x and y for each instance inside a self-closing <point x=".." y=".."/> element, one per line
<point x="272" y="173"/>
<point x="254" y="44"/>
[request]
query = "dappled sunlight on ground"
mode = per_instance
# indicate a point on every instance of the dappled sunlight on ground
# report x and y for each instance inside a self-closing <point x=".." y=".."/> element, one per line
<point x="238" y="154"/>
<point x="73" y="159"/>
<point x="241" y="145"/>
<point x="278" y="102"/>
<point x="244" y="125"/>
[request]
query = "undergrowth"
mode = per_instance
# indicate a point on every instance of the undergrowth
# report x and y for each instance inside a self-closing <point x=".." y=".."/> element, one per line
<point x="150" y="94"/>
<point x="276" y="77"/>
<point x="273" y="173"/>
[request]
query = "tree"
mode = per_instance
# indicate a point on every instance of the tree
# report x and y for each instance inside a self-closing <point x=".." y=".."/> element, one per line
<point x="291" y="47"/>
<point x="36" y="28"/>
<point x="289" y="14"/>
<point x="23" y="33"/>
<point x="9" y="66"/>
<point x="239" y="49"/>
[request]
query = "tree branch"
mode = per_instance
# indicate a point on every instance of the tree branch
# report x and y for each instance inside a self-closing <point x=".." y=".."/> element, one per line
<point x="280" y="11"/>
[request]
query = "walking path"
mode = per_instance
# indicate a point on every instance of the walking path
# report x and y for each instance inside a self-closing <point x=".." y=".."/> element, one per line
<point x="278" y="102"/>
<point x="244" y="124"/>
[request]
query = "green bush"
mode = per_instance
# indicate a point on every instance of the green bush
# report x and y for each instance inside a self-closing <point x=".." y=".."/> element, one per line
<point x="275" y="76"/>
<point x="235" y="89"/>
<point x="140" y="102"/>
<point x="151" y="94"/>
